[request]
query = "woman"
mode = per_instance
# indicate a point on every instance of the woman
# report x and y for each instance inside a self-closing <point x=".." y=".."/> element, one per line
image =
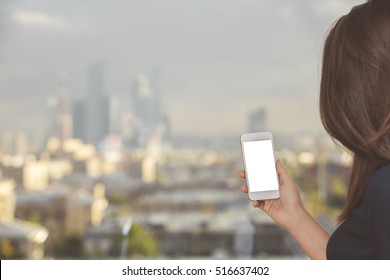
<point x="355" y="111"/>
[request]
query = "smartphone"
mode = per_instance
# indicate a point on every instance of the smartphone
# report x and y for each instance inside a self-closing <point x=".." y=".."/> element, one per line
<point x="259" y="163"/>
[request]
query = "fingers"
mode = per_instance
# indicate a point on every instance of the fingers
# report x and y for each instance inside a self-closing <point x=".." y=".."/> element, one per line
<point x="255" y="203"/>
<point x="241" y="174"/>
<point x="258" y="204"/>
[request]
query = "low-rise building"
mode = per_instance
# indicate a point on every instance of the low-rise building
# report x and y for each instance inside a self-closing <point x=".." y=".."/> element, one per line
<point x="18" y="239"/>
<point x="63" y="210"/>
<point x="22" y="240"/>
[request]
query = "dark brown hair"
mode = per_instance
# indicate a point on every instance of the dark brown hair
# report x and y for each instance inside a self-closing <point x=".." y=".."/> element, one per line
<point x="355" y="91"/>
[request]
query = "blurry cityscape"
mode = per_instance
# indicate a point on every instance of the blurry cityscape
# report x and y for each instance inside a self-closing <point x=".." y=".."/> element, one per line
<point x="112" y="181"/>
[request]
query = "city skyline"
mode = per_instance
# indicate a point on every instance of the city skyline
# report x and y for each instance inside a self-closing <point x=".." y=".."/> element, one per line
<point x="218" y="61"/>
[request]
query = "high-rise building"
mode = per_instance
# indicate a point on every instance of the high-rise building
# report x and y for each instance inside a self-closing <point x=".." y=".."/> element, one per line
<point x="60" y="121"/>
<point x="96" y="107"/>
<point x="14" y="143"/>
<point x="147" y="109"/>
<point x="65" y="120"/>
<point x="148" y="118"/>
<point x="78" y="113"/>
<point x="257" y="120"/>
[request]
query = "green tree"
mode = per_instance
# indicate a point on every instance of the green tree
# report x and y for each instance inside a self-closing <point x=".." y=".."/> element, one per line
<point x="70" y="247"/>
<point x="8" y="251"/>
<point x="141" y="243"/>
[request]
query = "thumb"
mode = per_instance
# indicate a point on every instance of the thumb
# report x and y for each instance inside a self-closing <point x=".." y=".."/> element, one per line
<point x="282" y="172"/>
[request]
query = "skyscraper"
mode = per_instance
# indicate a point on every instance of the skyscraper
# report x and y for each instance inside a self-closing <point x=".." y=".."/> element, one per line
<point x="96" y="107"/>
<point x="78" y="113"/>
<point x="148" y="116"/>
<point x="257" y="120"/>
<point x="14" y="143"/>
<point x="60" y="122"/>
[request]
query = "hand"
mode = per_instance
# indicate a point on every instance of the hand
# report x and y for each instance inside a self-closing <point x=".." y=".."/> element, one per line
<point x="289" y="212"/>
<point x="284" y="209"/>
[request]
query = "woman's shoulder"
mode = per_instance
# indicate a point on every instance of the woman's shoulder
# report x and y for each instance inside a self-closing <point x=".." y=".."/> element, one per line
<point x="378" y="187"/>
<point x="381" y="176"/>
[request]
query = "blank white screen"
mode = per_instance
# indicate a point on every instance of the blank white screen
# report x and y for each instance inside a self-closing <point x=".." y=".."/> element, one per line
<point x="260" y="166"/>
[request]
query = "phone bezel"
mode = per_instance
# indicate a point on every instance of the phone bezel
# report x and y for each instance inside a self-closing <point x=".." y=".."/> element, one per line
<point x="259" y="136"/>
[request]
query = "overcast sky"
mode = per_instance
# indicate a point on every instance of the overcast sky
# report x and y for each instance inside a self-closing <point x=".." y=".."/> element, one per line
<point x="219" y="59"/>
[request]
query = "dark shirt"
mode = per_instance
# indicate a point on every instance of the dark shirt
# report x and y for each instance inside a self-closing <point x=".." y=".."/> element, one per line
<point x="365" y="234"/>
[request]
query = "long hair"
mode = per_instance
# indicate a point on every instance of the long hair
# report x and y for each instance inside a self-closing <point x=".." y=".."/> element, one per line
<point x="355" y="91"/>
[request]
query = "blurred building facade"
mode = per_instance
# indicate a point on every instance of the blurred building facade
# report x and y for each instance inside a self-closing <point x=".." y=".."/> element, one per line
<point x="64" y="210"/>
<point x="18" y="239"/>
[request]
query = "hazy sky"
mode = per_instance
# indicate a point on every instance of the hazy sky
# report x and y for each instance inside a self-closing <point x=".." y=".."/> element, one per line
<point x="219" y="59"/>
